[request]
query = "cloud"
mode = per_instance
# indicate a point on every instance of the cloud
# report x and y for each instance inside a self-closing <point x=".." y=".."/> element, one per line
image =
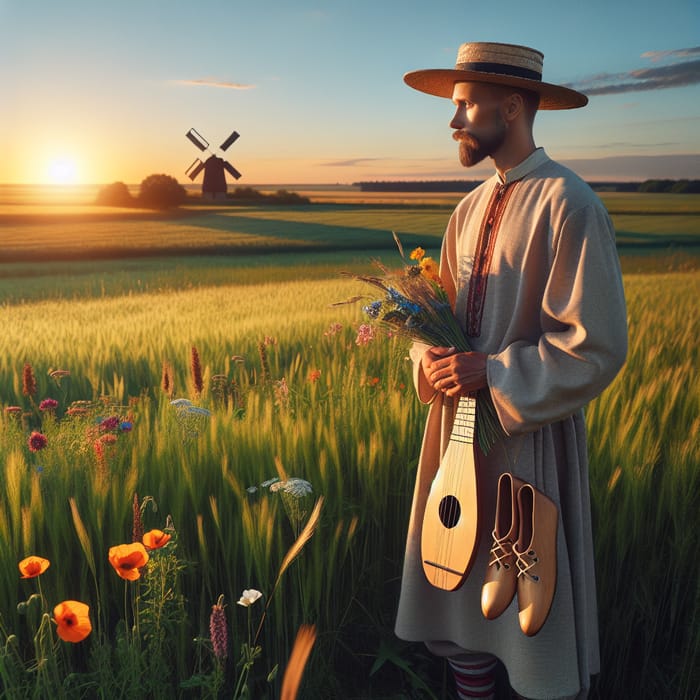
<point x="679" y="73"/>
<point x="655" y="56"/>
<point x="212" y="82"/>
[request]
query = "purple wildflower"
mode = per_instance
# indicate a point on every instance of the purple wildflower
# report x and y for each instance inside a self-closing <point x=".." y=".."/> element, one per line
<point x="108" y="424"/>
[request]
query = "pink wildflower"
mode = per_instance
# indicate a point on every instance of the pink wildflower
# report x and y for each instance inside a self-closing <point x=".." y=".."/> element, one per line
<point x="365" y="334"/>
<point x="77" y="411"/>
<point x="37" y="441"/>
<point x="100" y="447"/>
<point x="333" y="329"/>
<point x="281" y="393"/>
<point x="218" y="630"/>
<point x="48" y="405"/>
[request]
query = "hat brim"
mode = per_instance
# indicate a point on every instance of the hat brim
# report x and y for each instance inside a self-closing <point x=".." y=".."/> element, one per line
<point x="440" y="82"/>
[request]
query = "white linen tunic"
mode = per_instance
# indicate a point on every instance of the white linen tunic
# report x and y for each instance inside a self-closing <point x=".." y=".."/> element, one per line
<point x="548" y="308"/>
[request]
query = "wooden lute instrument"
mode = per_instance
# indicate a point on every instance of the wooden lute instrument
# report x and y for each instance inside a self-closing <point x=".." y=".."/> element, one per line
<point x="451" y="520"/>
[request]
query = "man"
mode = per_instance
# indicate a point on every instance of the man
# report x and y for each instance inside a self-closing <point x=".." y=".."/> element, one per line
<point x="529" y="262"/>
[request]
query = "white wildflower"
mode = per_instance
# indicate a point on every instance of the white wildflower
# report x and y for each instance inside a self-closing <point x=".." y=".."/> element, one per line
<point x="294" y="487"/>
<point x="249" y="597"/>
<point x="198" y="410"/>
<point x="180" y="403"/>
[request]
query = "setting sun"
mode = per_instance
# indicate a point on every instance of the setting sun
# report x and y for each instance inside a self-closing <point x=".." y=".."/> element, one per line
<point x="62" y="171"/>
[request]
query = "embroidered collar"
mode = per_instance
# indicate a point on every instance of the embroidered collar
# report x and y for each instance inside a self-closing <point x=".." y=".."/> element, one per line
<point x="533" y="161"/>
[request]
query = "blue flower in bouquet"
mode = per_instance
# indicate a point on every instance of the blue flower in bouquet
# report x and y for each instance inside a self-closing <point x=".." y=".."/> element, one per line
<point x="373" y="309"/>
<point x="405" y="305"/>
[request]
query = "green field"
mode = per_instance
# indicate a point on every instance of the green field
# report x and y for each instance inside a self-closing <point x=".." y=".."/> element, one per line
<point x="289" y="389"/>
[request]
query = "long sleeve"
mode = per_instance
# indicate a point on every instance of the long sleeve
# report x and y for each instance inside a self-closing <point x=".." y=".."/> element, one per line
<point x="583" y="343"/>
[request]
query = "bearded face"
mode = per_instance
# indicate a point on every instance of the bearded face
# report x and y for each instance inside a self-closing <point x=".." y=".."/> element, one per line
<point x="479" y="124"/>
<point x="475" y="145"/>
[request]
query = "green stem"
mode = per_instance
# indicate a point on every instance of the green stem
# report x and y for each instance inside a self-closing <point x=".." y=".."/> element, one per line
<point x="126" y="610"/>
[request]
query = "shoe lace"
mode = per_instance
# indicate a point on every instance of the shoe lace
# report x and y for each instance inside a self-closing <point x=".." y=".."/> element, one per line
<point x="524" y="565"/>
<point x="501" y="550"/>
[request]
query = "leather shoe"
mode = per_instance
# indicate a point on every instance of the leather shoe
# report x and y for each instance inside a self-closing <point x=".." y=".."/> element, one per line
<point x="536" y="558"/>
<point x="501" y="574"/>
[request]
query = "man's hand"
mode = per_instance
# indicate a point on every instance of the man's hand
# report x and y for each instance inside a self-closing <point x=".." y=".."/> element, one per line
<point x="454" y="373"/>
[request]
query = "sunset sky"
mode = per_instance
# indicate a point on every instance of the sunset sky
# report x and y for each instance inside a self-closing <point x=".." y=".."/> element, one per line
<point x="97" y="91"/>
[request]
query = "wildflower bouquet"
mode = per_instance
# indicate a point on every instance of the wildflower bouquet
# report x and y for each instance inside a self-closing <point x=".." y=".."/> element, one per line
<point x="415" y="305"/>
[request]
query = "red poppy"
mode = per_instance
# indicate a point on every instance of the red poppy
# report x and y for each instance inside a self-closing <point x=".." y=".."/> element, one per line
<point x="72" y="620"/>
<point x="31" y="567"/>
<point x="127" y="559"/>
<point x="155" y="539"/>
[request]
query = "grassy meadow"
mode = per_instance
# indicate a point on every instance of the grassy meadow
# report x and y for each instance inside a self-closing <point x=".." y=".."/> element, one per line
<point x="280" y="389"/>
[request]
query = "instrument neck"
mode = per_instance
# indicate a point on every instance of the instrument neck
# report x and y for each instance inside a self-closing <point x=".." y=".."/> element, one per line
<point x="465" y="421"/>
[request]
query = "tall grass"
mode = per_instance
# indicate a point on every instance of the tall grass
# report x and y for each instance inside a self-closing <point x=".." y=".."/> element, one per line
<point x="353" y="431"/>
<point x="645" y="471"/>
<point x="343" y="433"/>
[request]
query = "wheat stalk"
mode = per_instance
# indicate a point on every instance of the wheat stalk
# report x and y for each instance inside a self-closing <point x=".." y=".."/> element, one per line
<point x="306" y="636"/>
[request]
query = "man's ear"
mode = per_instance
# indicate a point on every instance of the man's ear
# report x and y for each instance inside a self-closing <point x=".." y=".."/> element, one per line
<point x="513" y="106"/>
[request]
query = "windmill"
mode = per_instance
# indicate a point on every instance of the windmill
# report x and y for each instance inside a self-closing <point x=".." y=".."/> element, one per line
<point x="214" y="183"/>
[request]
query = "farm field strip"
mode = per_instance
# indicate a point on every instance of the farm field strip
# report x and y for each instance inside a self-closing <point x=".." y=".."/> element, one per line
<point x="238" y="230"/>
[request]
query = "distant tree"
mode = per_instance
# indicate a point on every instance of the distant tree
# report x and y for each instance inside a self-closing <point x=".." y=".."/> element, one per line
<point x="245" y="195"/>
<point x="115" y="195"/>
<point x="286" y="197"/>
<point x="686" y="187"/>
<point x="161" y="192"/>
<point x="656" y="186"/>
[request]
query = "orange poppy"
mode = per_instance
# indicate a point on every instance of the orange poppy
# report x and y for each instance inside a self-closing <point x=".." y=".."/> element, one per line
<point x="155" y="539"/>
<point x="127" y="559"/>
<point x="33" y="566"/>
<point x="72" y="620"/>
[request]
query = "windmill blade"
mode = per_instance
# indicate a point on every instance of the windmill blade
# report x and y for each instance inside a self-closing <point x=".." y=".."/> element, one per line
<point x="230" y="169"/>
<point x="194" y="169"/>
<point x="197" y="139"/>
<point x="229" y="140"/>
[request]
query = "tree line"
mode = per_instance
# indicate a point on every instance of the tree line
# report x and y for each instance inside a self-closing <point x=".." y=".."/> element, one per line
<point x="667" y="186"/>
<point x="165" y="192"/>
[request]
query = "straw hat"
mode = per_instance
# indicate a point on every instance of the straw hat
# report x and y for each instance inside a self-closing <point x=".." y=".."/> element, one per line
<point x="501" y="64"/>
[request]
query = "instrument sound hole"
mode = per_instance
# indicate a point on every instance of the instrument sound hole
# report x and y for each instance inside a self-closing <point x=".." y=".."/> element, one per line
<point x="449" y="511"/>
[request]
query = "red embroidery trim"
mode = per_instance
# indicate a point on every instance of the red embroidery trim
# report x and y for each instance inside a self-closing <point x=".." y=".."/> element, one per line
<point x="483" y="256"/>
